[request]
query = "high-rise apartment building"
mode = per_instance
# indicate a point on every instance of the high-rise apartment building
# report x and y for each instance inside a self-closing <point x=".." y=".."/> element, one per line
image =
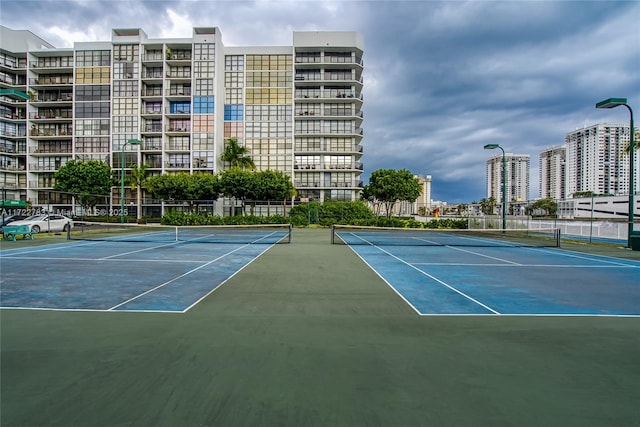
<point x="297" y="109"/>
<point x="552" y="173"/>
<point x="597" y="160"/>
<point x="517" y="175"/>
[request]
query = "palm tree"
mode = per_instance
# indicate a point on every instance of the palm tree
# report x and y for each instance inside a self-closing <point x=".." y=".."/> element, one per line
<point x="137" y="180"/>
<point x="236" y="154"/>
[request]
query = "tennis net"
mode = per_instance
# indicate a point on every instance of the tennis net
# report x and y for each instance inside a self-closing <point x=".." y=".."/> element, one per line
<point x="386" y="236"/>
<point x="257" y="234"/>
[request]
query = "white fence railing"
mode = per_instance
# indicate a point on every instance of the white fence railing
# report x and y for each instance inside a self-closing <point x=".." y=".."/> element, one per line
<point x="615" y="230"/>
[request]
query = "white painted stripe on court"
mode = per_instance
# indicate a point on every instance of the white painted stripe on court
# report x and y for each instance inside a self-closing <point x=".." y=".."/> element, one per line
<point x="470" y="298"/>
<point x="572" y="254"/>
<point x="226" y="280"/>
<point x="176" y="278"/>
<point x="526" y="265"/>
<point x="138" y="260"/>
<point x="136" y="251"/>
<point x="483" y="255"/>
<point x="386" y="281"/>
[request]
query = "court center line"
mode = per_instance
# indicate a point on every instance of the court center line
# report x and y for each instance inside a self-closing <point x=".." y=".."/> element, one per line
<point x="176" y="278"/>
<point x="470" y="298"/>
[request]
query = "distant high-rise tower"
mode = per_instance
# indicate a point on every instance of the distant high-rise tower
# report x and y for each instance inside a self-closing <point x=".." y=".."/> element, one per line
<point x="552" y="173"/>
<point x="517" y="177"/>
<point x="597" y="160"/>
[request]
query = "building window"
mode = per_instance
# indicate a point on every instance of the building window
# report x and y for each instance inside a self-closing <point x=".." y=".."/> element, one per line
<point x="234" y="63"/>
<point x="126" y="52"/>
<point x="203" y="104"/>
<point x="233" y="112"/>
<point x="233" y="130"/>
<point x="233" y="79"/>
<point x="124" y="124"/>
<point x="203" y="123"/>
<point x="125" y="70"/>
<point x="204" y="69"/>
<point x="92" y="93"/>
<point x="123" y="88"/>
<point x="93" y="58"/>
<point x="91" y="127"/>
<point x="204" y="51"/>
<point x="203" y="141"/>
<point x="269" y="96"/>
<point x="93" y="75"/>
<point x="269" y="62"/>
<point x="92" y="109"/>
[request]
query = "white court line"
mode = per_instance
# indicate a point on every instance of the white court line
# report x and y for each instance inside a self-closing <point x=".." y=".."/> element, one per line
<point x="87" y="310"/>
<point x="572" y="254"/>
<point x="226" y="280"/>
<point x="470" y="298"/>
<point x="139" y="260"/>
<point x="483" y="255"/>
<point x="136" y="251"/>
<point x="453" y="264"/>
<point x="21" y="251"/>
<point x="177" y="277"/>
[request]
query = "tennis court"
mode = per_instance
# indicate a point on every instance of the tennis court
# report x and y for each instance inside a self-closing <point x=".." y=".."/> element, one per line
<point x="488" y="272"/>
<point x="120" y="268"/>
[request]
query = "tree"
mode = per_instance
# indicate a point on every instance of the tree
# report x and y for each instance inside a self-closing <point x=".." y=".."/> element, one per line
<point x="367" y="196"/>
<point x="273" y="185"/>
<point x="191" y="188"/>
<point x="487" y="205"/>
<point x="547" y="206"/>
<point x="389" y="186"/>
<point x="137" y="181"/>
<point x="90" y="182"/>
<point x="238" y="184"/>
<point x="237" y="155"/>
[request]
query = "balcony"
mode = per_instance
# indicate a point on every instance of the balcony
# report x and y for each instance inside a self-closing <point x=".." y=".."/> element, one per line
<point x="8" y="166"/>
<point x="43" y="168"/>
<point x="51" y="80"/>
<point x="179" y="91"/>
<point x="44" y="96"/>
<point x="152" y="128"/>
<point x="152" y="91"/>
<point x="176" y="164"/>
<point x="51" y="131"/>
<point x="346" y="94"/>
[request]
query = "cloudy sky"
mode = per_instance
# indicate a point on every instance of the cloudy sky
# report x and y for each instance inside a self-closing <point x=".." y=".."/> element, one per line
<point x="441" y="78"/>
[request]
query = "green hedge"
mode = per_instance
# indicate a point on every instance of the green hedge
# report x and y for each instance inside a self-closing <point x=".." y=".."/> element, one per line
<point x="182" y="218"/>
<point x="315" y="213"/>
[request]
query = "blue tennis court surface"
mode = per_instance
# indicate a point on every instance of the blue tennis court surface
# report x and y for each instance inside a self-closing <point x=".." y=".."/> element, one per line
<point x="506" y="280"/>
<point x="118" y="276"/>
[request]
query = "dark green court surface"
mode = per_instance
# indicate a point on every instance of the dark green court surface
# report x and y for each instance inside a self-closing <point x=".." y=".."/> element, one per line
<point x="308" y="335"/>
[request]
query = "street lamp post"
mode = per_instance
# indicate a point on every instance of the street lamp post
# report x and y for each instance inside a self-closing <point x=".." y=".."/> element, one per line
<point x="132" y="142"/>
<point x="612" y="103"/>
<point x="504" y="183"/>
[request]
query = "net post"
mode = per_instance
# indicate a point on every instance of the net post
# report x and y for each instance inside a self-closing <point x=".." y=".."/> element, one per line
<point x="333" y="233"/>
<point x="290" y="233"/>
